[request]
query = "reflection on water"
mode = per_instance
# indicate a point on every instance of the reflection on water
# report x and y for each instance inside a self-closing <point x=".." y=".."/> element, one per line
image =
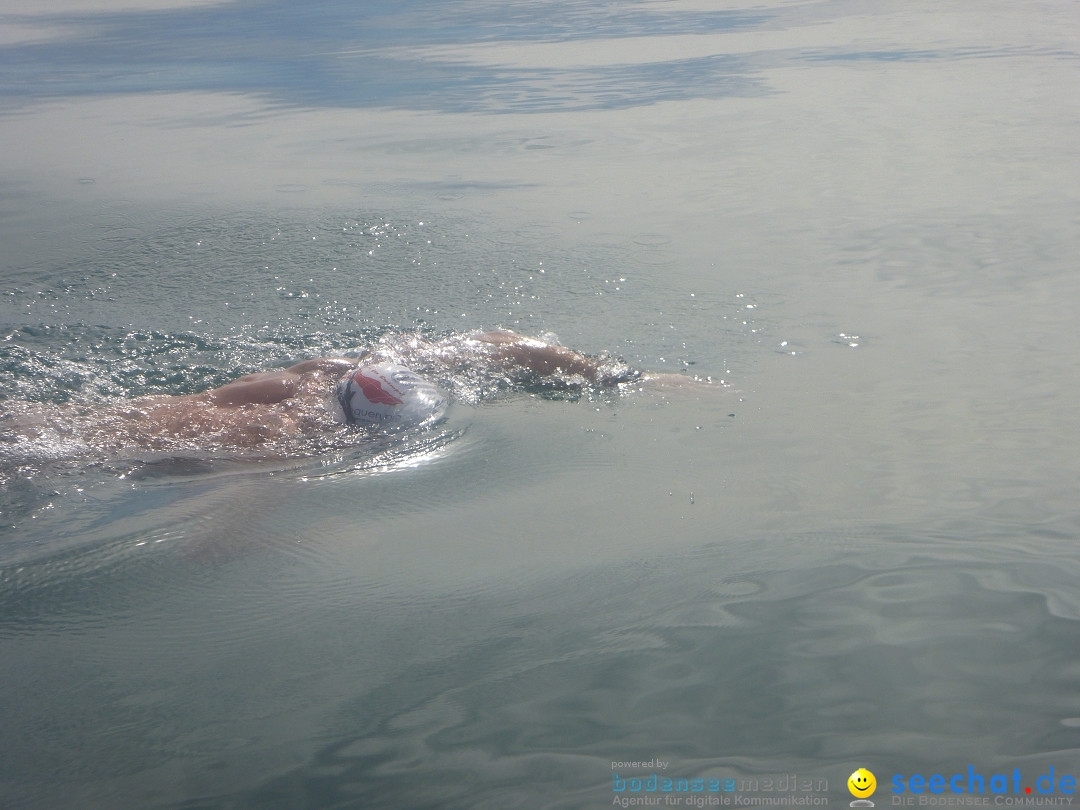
<point x="861" y="554"/>
<point x="355" y="687"/>
<point x="339" y="54"/>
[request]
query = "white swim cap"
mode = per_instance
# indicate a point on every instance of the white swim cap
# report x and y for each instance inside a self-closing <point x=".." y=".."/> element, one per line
<point x="387" y="395"/>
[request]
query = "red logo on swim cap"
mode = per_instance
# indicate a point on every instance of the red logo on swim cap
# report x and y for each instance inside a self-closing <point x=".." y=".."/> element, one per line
<point x="374" y="391"/>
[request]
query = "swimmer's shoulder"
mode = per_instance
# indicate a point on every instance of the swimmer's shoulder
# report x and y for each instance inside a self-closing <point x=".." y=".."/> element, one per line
<point x="323" y="365"/>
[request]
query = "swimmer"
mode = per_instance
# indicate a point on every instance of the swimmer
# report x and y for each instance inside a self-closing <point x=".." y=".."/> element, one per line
<point x="375" y="391"/>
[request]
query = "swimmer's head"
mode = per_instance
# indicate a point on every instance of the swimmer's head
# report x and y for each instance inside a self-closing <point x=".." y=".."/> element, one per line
<point x="386" y="395"/>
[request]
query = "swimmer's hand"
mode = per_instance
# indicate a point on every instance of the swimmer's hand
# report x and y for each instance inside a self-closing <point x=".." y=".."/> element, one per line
<point x="679" y="382"/>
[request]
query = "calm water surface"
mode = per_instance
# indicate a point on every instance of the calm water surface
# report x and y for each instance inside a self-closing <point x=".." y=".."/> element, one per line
<point x="859" y="549"/>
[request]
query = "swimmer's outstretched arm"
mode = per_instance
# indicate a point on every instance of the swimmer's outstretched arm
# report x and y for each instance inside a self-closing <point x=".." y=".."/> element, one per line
<point x="547" y="359"/>
<point x="541" y="358"/>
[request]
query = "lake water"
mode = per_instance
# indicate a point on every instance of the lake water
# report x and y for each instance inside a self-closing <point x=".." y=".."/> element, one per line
<point x="860" y="549"/>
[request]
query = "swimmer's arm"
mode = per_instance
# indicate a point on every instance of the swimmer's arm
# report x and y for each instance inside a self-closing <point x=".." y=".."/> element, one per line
<point x="541" y="358"/>
<point x="271" y="387"/>
<point x="546" y="359"/>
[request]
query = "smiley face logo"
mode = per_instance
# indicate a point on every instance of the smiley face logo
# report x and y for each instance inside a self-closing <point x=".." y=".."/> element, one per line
<point x="862" y="783"/>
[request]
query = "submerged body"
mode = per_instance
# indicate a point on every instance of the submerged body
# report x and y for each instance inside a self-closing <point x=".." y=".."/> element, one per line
<point x="259" y="410"/>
